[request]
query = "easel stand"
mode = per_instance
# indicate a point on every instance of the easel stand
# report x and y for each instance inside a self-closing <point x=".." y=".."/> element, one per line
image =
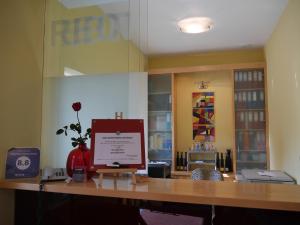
<point x="116" y="173"/>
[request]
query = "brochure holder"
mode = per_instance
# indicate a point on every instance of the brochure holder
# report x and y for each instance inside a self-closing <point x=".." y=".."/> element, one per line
<point x="117" y="146"/>
<point x="22" y="163"/>
<point x="116" y="173"/>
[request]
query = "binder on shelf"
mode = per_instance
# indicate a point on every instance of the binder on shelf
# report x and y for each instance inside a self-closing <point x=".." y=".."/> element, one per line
<point x="240" y="99"/>
<point x="245" y="79"/>
<point x="261" y="119"/>
<point x="254" y="98"/>
<point x="246" y="140"/>
<point x="242" y="120"/>
<point x="249" y="99"/>
<point x="260" y="79"/>
<point x="241" y="83"/>
<point x="236" y="79"/>
<point x="252" y="138"/>
<point x="250" y="120"/>
<point x="237" y="119"/>
<point x="255" y="79"/>
<point x="244" y="99"/>
<point x="235" y="99"/>
<point x="250" y="82"/>
<point x="261" y="99"/>
<point x="255" y="120"/>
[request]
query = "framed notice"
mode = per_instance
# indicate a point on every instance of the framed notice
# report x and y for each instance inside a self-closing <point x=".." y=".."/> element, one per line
<point x="22" y="163"/>
<point x="118" y="141"/>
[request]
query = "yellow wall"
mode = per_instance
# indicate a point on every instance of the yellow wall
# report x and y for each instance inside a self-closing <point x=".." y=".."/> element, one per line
<point x="221" y="85"/>
<point x="283" y="64"/>
<point x="21" y="57"/>
<point x="209" y="58"/>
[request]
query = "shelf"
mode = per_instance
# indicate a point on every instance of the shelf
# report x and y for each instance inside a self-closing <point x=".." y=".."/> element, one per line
<point x="250" y="129"/>
<point x="201" y="163"/>
<point x="161" y="159"/>
<point x="159" y="93"/>
<point x="160" y="118"/>
<point x="159" y="131"/>
<point x="160" y="111"/>
<point x="181" y="173"/>
<point x="254" y="151"/>
<point x="206" y="124"/>
<point x="249" y="89"/>
<point x="251" y="162"/>
<point x="248" y="109"/>
<point x="203" y="107"/>
<point x="201" y="152"/>
<point x="159" y="149"/>
<point x="250" y="137"/>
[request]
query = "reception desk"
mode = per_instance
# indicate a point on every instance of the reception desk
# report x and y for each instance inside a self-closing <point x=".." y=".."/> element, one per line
<point x="248" y="195"/>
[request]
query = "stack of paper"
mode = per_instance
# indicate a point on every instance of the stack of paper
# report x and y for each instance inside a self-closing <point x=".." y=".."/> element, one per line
<point x="273" y="176"/>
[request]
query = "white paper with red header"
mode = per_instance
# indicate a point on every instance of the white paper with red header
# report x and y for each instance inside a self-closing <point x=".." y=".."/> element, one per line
<point x="118" y="141"/>
<point x="124" y="148"/>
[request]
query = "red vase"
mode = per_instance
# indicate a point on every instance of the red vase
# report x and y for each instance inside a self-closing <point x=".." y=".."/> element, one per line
<point x="78" y="158"/>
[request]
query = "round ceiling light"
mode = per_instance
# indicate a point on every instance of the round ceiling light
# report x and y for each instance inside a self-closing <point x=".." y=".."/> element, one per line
<point x="195" y="25"/>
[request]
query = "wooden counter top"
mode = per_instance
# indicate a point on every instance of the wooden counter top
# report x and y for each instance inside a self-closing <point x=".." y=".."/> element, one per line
<point x="251" y="195"/>
<point x="188" y="175"/>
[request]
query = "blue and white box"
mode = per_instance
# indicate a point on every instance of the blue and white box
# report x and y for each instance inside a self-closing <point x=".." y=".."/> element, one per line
<point x="22" y="163"/>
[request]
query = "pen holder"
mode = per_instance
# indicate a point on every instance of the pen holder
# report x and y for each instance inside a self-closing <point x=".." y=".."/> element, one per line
<point x="79" y="175"/>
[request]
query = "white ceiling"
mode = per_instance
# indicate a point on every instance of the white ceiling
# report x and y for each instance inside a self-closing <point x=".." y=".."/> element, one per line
<point x="237" y="23"/>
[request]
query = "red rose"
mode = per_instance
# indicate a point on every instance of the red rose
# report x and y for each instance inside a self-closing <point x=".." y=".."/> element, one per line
<point x="76" y="106"/>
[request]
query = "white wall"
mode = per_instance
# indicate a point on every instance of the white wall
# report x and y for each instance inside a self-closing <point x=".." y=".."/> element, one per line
<point x="101" y="96"/>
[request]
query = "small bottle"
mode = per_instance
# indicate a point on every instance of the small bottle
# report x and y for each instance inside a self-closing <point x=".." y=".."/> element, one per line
<point x="177" y="162"/>
<point x="202" y="148"/>
<point x="222" y="163"/>
<point x="185" y="162"/>
<point x="181" y="161"/>
<point x="218" y="161"/>
<point x="228" y="161"/>
<point x="79" y="175"/>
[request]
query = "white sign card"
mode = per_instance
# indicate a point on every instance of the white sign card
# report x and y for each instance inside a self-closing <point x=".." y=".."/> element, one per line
<point x="124" y="148"/>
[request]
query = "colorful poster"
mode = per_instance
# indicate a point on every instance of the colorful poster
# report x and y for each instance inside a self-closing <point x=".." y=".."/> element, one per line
<point x="203" y="116"/>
